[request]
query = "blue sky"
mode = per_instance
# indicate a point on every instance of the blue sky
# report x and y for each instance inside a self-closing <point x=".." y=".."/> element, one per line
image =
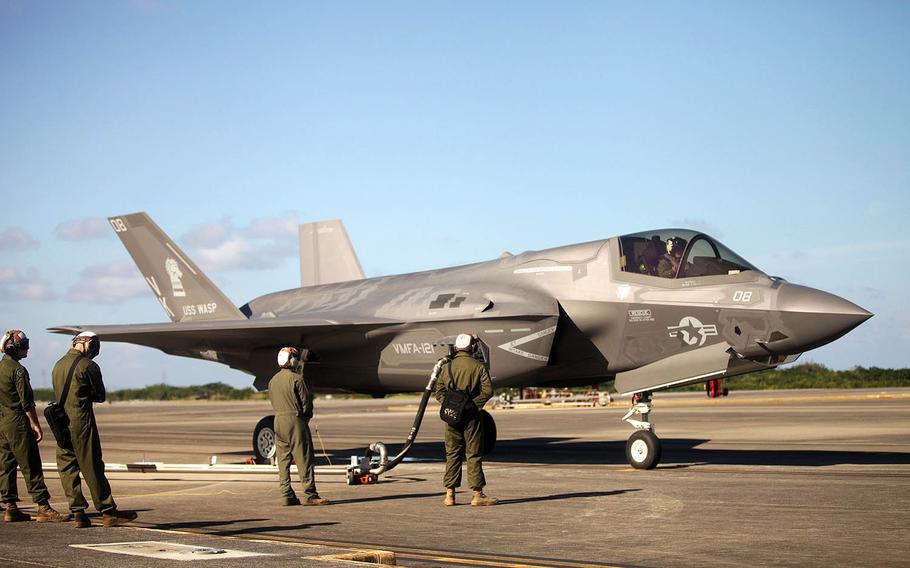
<point x="445" y="133"/>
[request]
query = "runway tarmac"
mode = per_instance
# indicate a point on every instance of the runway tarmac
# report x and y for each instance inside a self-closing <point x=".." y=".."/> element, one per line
<point x="795" y="478"/>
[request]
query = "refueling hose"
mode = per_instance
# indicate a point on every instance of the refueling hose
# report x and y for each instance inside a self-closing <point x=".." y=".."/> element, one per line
<point x="385" y="464"/>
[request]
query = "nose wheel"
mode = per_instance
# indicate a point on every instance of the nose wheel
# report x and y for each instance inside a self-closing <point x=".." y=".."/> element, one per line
<point x="643" y="448"/>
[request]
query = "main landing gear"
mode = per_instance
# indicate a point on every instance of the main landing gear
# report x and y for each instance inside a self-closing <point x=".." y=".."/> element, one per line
<point x="264" y="440"/>
<point x="643" y="448"/>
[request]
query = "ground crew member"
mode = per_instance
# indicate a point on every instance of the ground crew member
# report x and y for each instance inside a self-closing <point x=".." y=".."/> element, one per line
<point x="465" y="441"/>
<point x="20" y="433"/>
<point x="83" y="454"/>
<point x="293" y="404"/>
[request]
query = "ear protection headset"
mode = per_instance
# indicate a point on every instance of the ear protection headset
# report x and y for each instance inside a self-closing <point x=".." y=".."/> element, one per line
<point x="288" y="357"/>
<point x="91" y="342"/>
<point x="14" y="343"/>
<point x="465" y="342"/>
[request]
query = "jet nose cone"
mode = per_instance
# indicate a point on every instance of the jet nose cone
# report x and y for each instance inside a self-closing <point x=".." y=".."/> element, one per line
<point x="796" y="298"/>
<point x="816" y="317"/>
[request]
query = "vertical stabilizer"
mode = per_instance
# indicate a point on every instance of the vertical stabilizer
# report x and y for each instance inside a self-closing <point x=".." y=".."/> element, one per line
<point x="326" y="254"/>
<point x="185" y="293"/>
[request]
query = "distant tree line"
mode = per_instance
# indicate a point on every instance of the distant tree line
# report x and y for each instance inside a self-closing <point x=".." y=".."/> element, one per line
<point x="805" y="376"/>
<point x="210" y="391"/>
<point x="816" y="376"/>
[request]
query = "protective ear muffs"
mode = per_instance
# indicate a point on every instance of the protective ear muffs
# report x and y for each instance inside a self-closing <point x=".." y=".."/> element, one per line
<point x="90" y="341"/>
<point x="11" y="346"/>
<point x="94" y="347"/>
<point x="288" y="357"/>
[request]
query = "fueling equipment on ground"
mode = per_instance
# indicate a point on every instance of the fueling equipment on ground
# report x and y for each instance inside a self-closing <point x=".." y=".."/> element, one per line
<point x="364" y="470"/>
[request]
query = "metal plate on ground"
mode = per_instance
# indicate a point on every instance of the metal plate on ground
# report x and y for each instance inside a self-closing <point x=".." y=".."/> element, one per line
<point x="168" y="550"/>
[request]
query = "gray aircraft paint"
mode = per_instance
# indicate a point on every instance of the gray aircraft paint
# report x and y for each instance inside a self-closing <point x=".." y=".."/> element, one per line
<point x="563" y="316"/>
<point x="326" y="254"/>
<point x="185" y="293"/>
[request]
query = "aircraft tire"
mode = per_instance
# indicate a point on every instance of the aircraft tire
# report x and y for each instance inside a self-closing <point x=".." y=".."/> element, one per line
<point x="264" y="440"/>
<point x="489" y="432"/>
<point x="643" y="450"/>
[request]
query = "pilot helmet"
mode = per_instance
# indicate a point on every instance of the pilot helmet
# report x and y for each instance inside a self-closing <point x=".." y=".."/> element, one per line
<point x="676" y="245"/>
<point x="464" y="342"/>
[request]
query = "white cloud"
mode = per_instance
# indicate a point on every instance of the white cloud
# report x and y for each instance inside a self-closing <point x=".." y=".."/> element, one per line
<point x="36" y="291"/>
<point x="83" y="229"/>
<point x="24" y="286"/>
<point x="235" y="253"/>
<point x="110" y="283"/>
<point x="209" y="234"/>
<point x="16" y="239"/>
<point x="284" y="226"/>
<point x="263" y="244"/>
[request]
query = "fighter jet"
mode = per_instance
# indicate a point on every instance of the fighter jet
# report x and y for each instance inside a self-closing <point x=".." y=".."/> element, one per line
<point x="646" y="311"/>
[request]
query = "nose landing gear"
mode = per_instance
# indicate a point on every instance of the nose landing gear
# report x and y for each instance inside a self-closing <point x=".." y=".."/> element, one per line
<point x="643" y="448"/>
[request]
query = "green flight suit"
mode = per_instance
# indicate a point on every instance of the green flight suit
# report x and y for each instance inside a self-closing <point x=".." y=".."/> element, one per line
<point x="465" y="441"/>
<point x="17" y="440"/>
<point x="83" y="456"/>
<point x="293" y="404"/>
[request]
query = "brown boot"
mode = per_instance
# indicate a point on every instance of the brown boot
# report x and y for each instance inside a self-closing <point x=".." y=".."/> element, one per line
<point x="450" y="497"/>
<point x="14" y="515"/>
<point x="47" y="514"/>
<point x="81" y="520"/>
<point x="315" y="500"/>
<point x="481" y="500"/>
<point x="115" y="517"/>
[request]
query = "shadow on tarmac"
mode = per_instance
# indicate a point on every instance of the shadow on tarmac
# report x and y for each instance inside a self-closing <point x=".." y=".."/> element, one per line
<point x="208" y="527"/>
<point x="440" y="494"/>
<point x="386" y="498"/>
<point x="561" y="496"/>
<point x="563" y="450"/>
<point x="402" y="479"/>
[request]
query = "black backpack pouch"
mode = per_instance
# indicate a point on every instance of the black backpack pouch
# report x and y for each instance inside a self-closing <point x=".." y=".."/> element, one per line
<point x="56" y="416"/>
<point x="456" y="404"/>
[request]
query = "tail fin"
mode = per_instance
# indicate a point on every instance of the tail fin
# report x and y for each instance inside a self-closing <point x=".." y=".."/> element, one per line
<point x="185" y="293"/>
<point x="326" y="254"/>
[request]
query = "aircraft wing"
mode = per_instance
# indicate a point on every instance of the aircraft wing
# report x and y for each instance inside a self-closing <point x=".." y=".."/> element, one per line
<point x="211" y="339"/>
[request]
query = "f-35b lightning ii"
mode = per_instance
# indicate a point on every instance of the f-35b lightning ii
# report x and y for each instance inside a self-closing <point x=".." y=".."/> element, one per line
<point x="647" y="311"/>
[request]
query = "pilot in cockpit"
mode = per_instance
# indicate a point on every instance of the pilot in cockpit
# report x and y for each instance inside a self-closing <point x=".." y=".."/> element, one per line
<point x="669" y="263"/>
<point x="650" y="256"/>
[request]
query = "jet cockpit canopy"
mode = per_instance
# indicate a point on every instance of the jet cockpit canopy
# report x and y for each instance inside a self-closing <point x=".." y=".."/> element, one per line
<point x="678" y="253"/>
